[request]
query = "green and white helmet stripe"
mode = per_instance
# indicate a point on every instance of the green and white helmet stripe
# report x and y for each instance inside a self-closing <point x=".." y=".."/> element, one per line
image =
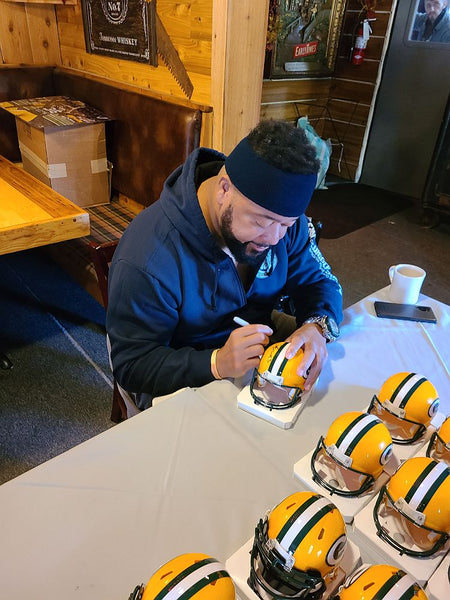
<point x="426" y="485"/>
<point x="302" y="521"/>
<point x="279" y="360"/>
<point x="274" y="372"/>
<point x="357" y="429"/>
<point x="406" y="389"/>
<point x="398" y="587"/>
<point x="185" y="585"/>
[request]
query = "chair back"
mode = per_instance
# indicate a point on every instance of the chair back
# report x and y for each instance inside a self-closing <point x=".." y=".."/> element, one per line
<point x="101" y="255"/>
<point x="123" y="405"/>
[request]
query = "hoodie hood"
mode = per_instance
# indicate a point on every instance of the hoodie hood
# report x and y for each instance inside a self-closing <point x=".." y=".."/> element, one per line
<point x="180" y="204"/>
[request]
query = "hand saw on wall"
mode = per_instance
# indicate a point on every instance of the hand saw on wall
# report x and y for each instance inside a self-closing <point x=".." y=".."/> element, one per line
<point x="168" y="53"/>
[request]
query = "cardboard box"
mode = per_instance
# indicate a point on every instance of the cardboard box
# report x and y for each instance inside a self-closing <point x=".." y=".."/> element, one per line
<point x="62" y="142"/>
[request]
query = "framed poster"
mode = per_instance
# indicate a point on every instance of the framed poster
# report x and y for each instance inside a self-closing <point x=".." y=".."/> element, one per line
<point x="121" y="28"/>
<point x="302" y="37"/>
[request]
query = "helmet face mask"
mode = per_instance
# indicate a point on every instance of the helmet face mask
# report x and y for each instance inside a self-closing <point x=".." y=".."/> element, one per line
<point x="407" y="402"/>
<point x="296" y="548"/>
<point x="410" y="513"/>
<point x="402" y="430"/>
<point x="352" y="455"/>
<point x="270" y="576"/>
<point x="275" y="383"/>
<point x="337" y="479"/>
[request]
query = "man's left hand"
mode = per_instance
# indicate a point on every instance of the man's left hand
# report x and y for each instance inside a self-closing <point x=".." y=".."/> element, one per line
<point x="310" y="338"/>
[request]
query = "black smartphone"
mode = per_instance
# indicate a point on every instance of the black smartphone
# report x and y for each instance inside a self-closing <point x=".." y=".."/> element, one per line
<point x="407" y="312"/>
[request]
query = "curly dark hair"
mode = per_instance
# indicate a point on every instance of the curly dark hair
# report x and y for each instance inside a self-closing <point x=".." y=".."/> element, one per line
<point x="284" y="146"/>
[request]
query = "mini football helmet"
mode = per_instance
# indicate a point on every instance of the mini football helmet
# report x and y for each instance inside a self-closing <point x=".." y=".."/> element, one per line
<point x="407" y="402"/>
<point x="439" y="445"/>
<point x="187" y="576"/>
<point x="297" y="548"/>
<point x="275" y="383"/>
<point x="380" y="582"/>
<point x="412" y="511"/>
<point x="352" y="455"/>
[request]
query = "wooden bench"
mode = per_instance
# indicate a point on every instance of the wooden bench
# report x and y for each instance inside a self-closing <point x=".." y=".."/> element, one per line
<point x="147" y="138"/>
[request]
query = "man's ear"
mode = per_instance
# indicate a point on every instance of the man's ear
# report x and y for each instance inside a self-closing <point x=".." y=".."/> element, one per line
<point x="224" y="186"/>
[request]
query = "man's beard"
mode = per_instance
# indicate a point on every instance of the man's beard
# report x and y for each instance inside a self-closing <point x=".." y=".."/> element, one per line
<point x="238" y="249"/>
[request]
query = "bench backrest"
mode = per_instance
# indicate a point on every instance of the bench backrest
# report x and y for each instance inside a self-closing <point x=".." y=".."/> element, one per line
<point x="146" y="139"/>
<point x="17" y="83"/>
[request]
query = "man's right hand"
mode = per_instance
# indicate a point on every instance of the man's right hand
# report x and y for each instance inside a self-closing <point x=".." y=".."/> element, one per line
<point x="243" y="350"/>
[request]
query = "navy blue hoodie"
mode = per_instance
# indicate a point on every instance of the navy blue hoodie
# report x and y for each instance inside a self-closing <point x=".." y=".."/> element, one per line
<point x="173" y="292"/>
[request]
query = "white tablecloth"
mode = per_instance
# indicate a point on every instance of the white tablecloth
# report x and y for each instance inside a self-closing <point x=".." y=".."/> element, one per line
<point x="194" y="473"/>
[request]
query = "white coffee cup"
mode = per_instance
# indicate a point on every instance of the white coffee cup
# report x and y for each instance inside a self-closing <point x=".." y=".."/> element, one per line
<point x="406" y="281"/>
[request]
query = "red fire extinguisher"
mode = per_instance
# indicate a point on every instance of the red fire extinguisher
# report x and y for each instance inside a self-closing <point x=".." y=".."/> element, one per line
<point x="361" y="38"/>
<point x="359" y="47"/>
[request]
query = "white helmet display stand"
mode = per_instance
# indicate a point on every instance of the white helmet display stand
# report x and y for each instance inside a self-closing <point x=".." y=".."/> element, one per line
<point x="378" y="551"/>
<point x="438" y="585"/>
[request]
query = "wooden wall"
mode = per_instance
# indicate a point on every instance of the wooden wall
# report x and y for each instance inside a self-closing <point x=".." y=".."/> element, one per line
<point x="189" y="25"/>
<point x="224" y="77"/>
<point x="28" y="33"/>
<point x="52" y="33"/>
<point x="338" y="107"/>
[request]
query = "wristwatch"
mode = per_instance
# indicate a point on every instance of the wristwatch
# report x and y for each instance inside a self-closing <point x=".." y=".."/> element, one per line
<point x="329" y="327"/>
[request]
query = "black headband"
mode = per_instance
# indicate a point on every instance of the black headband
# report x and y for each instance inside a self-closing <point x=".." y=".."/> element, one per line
<point x="286" y="194"/>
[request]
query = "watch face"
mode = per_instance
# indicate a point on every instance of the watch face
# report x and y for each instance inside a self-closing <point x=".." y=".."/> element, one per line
<point x="332" y="326"/>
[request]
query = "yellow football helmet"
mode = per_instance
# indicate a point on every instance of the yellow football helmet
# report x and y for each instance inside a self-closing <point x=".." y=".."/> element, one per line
<point x="380" y="582"/>
<point x="297" y="548"/>
<point x="192" y="575"/>
<point x="279" y="376"/>
<point x="439" y="445"/>
<point x="412" y="511"/>
<point x="352" y="455"/>
<point x="407" y="402"/>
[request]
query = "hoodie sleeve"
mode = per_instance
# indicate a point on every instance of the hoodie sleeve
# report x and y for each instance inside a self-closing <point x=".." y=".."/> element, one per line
<point x="140" y="320"/>
<point x="311" y="284"/>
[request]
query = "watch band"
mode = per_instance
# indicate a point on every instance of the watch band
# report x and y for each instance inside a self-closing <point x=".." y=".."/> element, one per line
<point x="329" y="327"/>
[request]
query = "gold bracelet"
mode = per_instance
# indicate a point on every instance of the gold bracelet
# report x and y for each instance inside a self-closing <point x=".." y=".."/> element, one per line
<point x="214" y="370"/>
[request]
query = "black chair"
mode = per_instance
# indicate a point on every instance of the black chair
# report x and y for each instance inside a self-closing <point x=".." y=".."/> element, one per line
<point x="102" y="255"/>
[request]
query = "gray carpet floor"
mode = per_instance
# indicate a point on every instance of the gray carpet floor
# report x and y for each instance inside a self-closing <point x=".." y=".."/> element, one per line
<point x="59" y="392"/>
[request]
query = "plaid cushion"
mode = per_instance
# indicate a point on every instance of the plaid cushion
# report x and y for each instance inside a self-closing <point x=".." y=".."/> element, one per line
<point x="108" y="222"/>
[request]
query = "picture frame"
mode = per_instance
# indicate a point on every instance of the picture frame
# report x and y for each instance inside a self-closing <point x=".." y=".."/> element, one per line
<point x="303" y="38"/>
<point x="122" y="29"/>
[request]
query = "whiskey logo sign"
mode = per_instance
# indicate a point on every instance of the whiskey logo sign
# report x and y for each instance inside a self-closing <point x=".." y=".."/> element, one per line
<point x="115" y="10"/>
<point x="121" y="28"/>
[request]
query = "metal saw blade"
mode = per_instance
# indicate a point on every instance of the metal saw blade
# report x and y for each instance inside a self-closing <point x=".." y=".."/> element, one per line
<point x="171" y="59"/>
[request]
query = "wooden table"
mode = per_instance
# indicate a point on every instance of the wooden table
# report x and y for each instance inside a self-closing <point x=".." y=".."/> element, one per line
<point x="32" y="214"/>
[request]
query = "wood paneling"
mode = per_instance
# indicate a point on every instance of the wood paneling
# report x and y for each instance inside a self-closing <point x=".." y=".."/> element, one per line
<point x="189" y="25"/>
<point x="14" y="35"/>
<point x="237" y="72"/>
<point x="28" y="34"/>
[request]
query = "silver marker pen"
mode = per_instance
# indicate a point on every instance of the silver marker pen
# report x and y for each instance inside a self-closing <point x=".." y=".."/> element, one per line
<point x="240" y="322"/>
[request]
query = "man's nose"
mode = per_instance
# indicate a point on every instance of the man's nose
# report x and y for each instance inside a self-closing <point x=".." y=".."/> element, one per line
<point x="274" y="233"/>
